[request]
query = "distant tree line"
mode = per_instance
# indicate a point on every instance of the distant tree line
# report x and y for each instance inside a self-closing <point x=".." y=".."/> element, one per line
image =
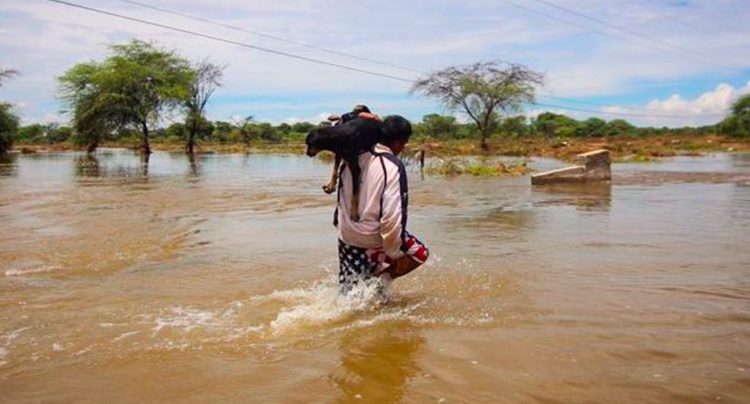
<point x="553" y="125"/>
<point x="222" y="132"/>
<point x="127" y="97"/>
<point x="432" y="126"/>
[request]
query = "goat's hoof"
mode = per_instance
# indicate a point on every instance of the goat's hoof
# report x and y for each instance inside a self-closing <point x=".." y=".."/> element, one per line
<point x="329" y="188"/>
<point x="355" y="217"/>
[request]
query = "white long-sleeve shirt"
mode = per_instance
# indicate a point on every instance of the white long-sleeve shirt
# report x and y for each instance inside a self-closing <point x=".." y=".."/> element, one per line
<point x="383" y="201"/>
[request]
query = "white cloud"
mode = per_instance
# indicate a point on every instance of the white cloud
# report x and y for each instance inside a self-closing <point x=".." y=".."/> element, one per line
<point x="323" y="116"/>
<point x="676" y="110"/>
<point x="42" y="40"/>
<point x="717" y="101"/>
<point x="52" y="118"/>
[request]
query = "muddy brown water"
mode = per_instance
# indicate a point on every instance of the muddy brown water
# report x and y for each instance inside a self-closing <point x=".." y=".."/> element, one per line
<point x="214" y="281"/>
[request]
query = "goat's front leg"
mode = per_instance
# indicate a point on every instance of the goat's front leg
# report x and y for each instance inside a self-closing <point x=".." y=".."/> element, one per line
<point x="354" y="169"/>
<point x="331" y="186"/>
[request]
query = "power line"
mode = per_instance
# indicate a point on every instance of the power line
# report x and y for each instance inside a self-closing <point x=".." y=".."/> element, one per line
<point x="628" y="31"/>
<point x="311" y="46"/>
<point x="596" y="104"/>
<point x="307" y="45"/>
<point x="626" y="113"/>
<point x="550" y="95"/>
<point x="229" y="41"/>
<point x="269" y="36"/>
<point x="563" y="20"/>
<point x="602" y="32"/>
<point x="340" y="66"/>
<point x="661" y="48"/>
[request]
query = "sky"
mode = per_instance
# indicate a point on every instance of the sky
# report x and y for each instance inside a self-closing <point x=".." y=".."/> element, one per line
<point x="654" y="63"/>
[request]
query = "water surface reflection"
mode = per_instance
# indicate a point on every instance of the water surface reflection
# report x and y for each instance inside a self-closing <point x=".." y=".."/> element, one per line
<point x="377" y="364"/>
<point x="212" y="279"/>
<point x="595" y="196"/>
<point x="8" y="165"/>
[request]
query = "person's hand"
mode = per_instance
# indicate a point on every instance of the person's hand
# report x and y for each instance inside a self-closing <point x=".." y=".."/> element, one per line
<point x="403" y="266"/>
<point x="369" y="115"/>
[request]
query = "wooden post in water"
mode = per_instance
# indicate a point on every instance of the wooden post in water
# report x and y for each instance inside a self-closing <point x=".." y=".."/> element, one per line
<point x="420" y="158"/>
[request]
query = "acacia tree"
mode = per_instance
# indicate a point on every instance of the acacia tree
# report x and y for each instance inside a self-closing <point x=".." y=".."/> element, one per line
<point x="129" y="89"/>
<point x="8" y="126"/>
<point x="738" y="122"/>
<point x="483" y="91"/>
<point x="8" y="120"/>
<point x="94" y="109"/>
<point x="206" y="79"/>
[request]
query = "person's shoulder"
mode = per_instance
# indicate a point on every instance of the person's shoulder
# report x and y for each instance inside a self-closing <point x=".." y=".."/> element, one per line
<point x="393" y="167"/>
<point x="382" y="150"/>
<point x="388" y="157"/>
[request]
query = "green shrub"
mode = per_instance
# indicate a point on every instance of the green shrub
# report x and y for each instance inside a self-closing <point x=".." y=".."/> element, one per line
<point x="8" y="126"/>
<point x="480" y="168"/>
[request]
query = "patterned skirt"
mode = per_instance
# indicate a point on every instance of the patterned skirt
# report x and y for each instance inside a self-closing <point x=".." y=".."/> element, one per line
<point x="354" y="264"/>
<point x="357" y="263"/>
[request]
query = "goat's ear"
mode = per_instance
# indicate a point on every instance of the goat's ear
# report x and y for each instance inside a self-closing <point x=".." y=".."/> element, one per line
<point x="311" y="136"/>
<point x="324" y="130"/>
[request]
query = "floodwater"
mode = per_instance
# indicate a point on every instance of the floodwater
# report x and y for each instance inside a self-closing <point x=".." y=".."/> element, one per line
<point x="213" y="280"/>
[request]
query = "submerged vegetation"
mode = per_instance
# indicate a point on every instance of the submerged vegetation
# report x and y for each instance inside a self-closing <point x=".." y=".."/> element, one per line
<point x="483" y="167"/>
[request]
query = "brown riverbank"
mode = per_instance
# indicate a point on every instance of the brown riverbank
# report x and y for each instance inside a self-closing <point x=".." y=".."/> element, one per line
<point x="622" y="148"/>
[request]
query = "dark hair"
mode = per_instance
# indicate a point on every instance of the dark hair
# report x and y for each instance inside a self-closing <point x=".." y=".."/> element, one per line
<point x="396" y="127"/>
<point x="355" y="112"/>
<point x="360" y="108"/>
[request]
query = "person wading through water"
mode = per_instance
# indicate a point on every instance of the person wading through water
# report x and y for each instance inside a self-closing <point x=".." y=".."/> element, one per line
<point x="378" y="245"/>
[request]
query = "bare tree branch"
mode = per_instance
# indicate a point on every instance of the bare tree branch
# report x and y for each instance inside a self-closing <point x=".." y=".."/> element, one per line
<point x="207" y="78"/>
<point x="5" y="74"/>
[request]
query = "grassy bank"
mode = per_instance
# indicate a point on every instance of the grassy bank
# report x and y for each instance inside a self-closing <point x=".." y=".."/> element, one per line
<point x="622" y="148"/>
<point x="482" y="167"/>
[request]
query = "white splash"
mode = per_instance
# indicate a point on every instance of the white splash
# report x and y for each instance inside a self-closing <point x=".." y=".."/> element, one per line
<point x="109" y="325"/>
<point x="186" y="319"/>
<point x="15" y="334"/>
<point x="125" y="335"/>
<point x="28" y="271"/>
<point x="4" y="350"/>
<point x="82" y="351"/>
<point x="323" y="303"/>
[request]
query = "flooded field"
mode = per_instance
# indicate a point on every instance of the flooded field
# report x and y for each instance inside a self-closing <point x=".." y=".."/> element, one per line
<point x="213" y="280"/>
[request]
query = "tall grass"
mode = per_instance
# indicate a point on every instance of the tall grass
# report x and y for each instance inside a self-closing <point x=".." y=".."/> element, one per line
<point x="482" y="167"/>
